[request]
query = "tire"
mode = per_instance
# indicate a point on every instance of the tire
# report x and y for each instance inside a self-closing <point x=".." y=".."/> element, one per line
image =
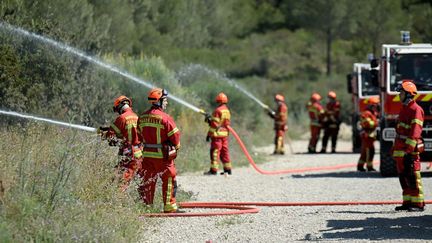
<point x="387" y="163"/>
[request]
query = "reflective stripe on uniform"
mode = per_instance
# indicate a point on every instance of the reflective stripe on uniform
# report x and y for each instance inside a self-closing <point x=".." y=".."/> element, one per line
<point x="404" y="125"/>
<point x="411" y="142"/>
<point x="117" y="130"/>
<point x="398" y="153"/>
<point x="173" y="131"/>
<point x="417" y="121"/>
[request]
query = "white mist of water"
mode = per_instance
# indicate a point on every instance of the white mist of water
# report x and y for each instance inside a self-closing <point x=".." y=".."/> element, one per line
<point x="198" y="67"/>
<point x="16" y="114"/>
<point x="93" y="60"/>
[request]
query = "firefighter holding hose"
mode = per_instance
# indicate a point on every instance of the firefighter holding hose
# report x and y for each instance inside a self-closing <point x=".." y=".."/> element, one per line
<point x="161" y="140"/>
<point x="316" y="113"/>
<point x="123" y="133"/>
<point x="218" y="134"/>
<point x="280" y="117"/>
<point x="368" y="123"/>
<point x="331" y="122"/>
<point x="407" y="148"/>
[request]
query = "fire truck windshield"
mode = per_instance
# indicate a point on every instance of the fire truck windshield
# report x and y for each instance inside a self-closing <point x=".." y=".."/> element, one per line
<point x="367" y="86"/>
<point x="417" y="67"/>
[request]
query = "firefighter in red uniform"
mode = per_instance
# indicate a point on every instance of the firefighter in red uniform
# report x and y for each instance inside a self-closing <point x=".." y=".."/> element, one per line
<point x="316" y="113"/>
<point x="218" y="134"/>
<point x="331" y="122"/>
<point x="125" y="128"/>
<point x="407" y="147"/>
<point x="161" y="140"/>
<point x="369" y="123"/>
<point x="280" y="123"/>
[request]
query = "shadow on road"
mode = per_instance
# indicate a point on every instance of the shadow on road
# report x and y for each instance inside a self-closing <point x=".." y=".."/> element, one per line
<point x="411" y="227"/>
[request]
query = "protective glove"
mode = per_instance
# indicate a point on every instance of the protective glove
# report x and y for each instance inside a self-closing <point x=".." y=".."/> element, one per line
<point x="207" y="118"/>
<point x="208" y="138"/>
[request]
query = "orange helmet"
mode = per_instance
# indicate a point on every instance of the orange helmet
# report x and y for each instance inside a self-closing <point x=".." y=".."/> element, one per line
<point x="221" y="98"/>
<point x="332" y="94"/>
<point x="155" y="95"/>
<point x="315" y="97"/>
<point x="119" y="101"/>
<point x="373" y="100"/>
<point x="279" y="97"/>
<point x="408" y="86"/>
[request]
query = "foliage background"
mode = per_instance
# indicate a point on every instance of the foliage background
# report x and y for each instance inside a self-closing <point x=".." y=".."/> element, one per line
<point x="193" y="48"/>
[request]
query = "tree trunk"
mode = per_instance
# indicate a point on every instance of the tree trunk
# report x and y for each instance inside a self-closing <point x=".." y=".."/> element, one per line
<point x="329" y="43"/>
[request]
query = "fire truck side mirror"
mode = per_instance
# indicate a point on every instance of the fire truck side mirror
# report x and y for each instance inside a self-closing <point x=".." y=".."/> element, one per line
<point x="349" y="86"/>
<point x="374" y="77"/>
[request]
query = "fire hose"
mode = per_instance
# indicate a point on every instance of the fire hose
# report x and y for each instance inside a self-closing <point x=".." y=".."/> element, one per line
<point x="247" y="207"/>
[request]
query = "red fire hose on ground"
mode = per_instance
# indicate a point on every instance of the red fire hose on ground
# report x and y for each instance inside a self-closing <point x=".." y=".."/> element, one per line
<point x="245" y="207"/>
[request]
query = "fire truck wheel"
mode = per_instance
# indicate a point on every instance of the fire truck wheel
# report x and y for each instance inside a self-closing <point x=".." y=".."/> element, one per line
<point x="387" y="166"/>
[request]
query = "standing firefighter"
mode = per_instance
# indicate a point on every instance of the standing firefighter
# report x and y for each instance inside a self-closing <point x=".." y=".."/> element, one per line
<point x="407" y="147"/>
<point x="125" y="128"/>
<point x="218" y="134"/>
<point x="369" y="123"/>
<point x="331" y="122"/>
<point x="161" y="139"/>
<point x="280" y="123"/>
<point x="316" y="113"/>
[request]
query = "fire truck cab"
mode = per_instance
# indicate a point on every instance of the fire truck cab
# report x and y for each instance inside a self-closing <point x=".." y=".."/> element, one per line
<point x="399" y="62"/>
<point x="361" y="87"/>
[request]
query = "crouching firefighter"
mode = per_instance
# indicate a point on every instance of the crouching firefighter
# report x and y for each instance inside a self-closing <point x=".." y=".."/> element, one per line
<point x="218" y="134"/>
<point x="280" y="117"/>
<point x="407" y="148"/>
<point x="161" y="140"/>
<point x="368" y="123"/>
<point x="123" y="133"/>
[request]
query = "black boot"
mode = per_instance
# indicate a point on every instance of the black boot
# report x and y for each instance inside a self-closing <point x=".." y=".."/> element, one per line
<point x="404" y="207"/>
<point x="370" y="169"/>
<point x="415" y="209"/>
<point x="360" y="168"/>
<point x="210" y="172"/>
<point x="323" y="151"/>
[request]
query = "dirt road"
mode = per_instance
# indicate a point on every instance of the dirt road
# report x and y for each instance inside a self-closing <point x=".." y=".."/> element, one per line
<point x="288" y="224"/>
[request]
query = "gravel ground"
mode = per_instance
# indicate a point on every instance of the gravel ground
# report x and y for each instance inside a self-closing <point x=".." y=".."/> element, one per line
<point x="288" y="224"/>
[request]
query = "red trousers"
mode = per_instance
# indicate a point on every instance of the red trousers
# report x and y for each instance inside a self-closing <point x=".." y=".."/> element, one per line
<point x="367" y="151"/>
<point x="315" y="133"/>
<point x="409" y="177"/>
<point x="219" y="151"/>
<point x="151" y="170"/>
<point x="279" y="141"/>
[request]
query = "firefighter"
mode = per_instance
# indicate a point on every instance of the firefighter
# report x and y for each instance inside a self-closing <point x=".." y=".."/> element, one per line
<point x="407" y="147"/>
<point x="125" y="128"/>
<point x="368" y="123"/>
<point x="161" y="140"/>
<point x="280" y="123"/>
<point x="218" y="134"/>
<point x="316" y="113"/>
<point x="331" y="122"/>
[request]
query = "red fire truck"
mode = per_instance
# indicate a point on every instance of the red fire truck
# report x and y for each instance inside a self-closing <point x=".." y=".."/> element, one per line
<point x="399" y="62"/>
<point x="361" y="88"/>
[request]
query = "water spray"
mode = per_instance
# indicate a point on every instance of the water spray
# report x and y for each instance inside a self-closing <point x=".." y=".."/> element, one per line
<point x="194" y="67"/>
<point x="94" y="60"/>
<point x="81" y="127"/>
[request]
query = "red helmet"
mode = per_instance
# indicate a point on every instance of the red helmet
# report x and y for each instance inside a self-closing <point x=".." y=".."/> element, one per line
<point x="315" y="97"/>
<point x="120" y="101"/>
<point x="332" y="94"/>
<point x="155" y="95"/>
<point x="373" y="100"/>
<point x="221" y="98"/>
<point x="408" y="86"/>
<point x="279" y="97"/>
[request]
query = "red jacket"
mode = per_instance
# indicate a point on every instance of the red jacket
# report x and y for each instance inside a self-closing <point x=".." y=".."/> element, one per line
<point x="219" y="121"/>
<point x="316" y="113"/>
<point x="281" y="116"/>
<point x="125" y="127"/>
<point x="409" y="126"/>
<point x="157" y="128"/>
<point x="333" y="111"/>
<point x="368" y="122"/>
